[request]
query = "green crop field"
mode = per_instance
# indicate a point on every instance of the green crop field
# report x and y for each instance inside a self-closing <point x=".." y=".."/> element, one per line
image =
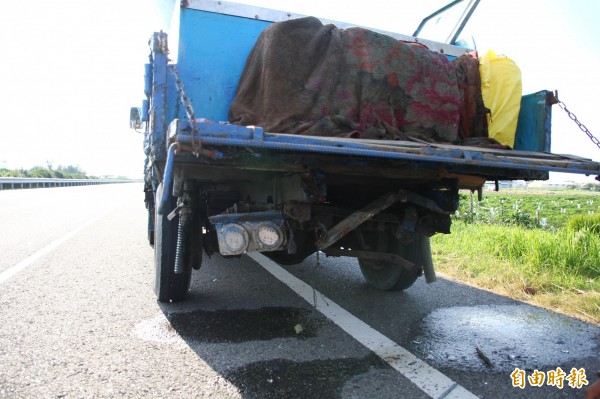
<point x="543" y="248"/>
<point x="548" y="210"/>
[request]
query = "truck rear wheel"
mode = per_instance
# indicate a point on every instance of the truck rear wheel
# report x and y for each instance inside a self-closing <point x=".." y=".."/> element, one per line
<point x="305" y="246"/>
<point x="151" y="218"/>
<point x="168" y="286"/>
<point x="389" y="276"/>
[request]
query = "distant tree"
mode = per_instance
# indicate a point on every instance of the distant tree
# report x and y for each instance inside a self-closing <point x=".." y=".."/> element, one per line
<point x="61" y="172"/>
<point x="71" y="169"/>
<point x="39" y="172"/>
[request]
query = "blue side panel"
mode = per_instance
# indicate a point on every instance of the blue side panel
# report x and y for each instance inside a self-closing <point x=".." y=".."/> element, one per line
<point x="212" y="53"/>
<point x="534" y="125"/>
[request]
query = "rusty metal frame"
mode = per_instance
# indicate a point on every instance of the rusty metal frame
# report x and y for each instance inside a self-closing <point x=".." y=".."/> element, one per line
<point x="357" y="218"/>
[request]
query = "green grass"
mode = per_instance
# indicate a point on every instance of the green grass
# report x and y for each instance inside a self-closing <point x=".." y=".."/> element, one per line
<point x="589" y="223"/>
<point x="566" y="255"/>
<point x="511" y="252"/>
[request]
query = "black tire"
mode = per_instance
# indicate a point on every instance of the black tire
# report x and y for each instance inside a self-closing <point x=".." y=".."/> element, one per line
<point x="151" y="218"/>
<point x="389" y="276"/>
<point x="283" y="258"/>
<point x="305" y="246"/>
<point x="168" y="286"/>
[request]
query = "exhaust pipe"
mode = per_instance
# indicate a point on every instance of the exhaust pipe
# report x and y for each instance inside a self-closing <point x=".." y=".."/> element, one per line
<point x="427" y="260"/>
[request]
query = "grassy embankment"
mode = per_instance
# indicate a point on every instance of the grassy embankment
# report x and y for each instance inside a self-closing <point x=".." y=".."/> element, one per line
<point x="539" y="248"/>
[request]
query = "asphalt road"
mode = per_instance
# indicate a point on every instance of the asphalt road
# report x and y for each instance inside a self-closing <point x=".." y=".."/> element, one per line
<point x="78" y="319"/>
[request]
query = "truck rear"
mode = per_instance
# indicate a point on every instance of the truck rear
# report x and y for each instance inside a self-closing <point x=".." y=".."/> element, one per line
<point x="216" y="187"/>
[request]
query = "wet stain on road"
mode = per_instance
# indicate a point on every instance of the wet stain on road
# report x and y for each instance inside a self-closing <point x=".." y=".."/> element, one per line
<point x="242" y="325"/>
<point x="288" y="379"/>
<point x="508" y="336"/>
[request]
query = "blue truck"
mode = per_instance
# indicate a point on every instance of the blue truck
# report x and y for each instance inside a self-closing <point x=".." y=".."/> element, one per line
<point x="213" y="187"/>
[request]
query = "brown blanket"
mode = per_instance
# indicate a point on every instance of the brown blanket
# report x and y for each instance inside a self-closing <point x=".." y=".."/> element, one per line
<point x="304" y="77"/>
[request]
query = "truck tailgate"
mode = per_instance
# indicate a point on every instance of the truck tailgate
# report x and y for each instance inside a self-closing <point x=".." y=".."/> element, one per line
<point x="490" y="163"/>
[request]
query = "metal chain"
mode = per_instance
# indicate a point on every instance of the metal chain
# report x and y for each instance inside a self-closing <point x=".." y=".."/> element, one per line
<point x="187" y="105"/>
<point x="581" y="125"/>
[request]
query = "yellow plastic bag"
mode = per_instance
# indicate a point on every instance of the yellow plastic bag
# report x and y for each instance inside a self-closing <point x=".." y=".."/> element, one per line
<point x="501" y="89"/>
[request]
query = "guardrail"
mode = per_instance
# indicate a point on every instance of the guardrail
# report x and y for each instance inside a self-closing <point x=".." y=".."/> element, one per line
<point x="12" y="183"/>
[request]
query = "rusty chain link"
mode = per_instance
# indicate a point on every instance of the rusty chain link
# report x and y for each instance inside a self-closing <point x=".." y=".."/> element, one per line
<point x="581" y="125"/>
<point x="189" y="110"/>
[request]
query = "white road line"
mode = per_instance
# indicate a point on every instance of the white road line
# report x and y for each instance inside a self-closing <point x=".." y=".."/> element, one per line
<point x="11" y="271"/>
<point x="427" y="378"/>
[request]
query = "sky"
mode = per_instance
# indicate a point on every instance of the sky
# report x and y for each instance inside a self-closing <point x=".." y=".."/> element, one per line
<point x="70" y="70"/>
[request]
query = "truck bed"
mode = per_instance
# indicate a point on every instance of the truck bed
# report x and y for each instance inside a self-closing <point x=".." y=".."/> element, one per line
<point x="211" y="72"/>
